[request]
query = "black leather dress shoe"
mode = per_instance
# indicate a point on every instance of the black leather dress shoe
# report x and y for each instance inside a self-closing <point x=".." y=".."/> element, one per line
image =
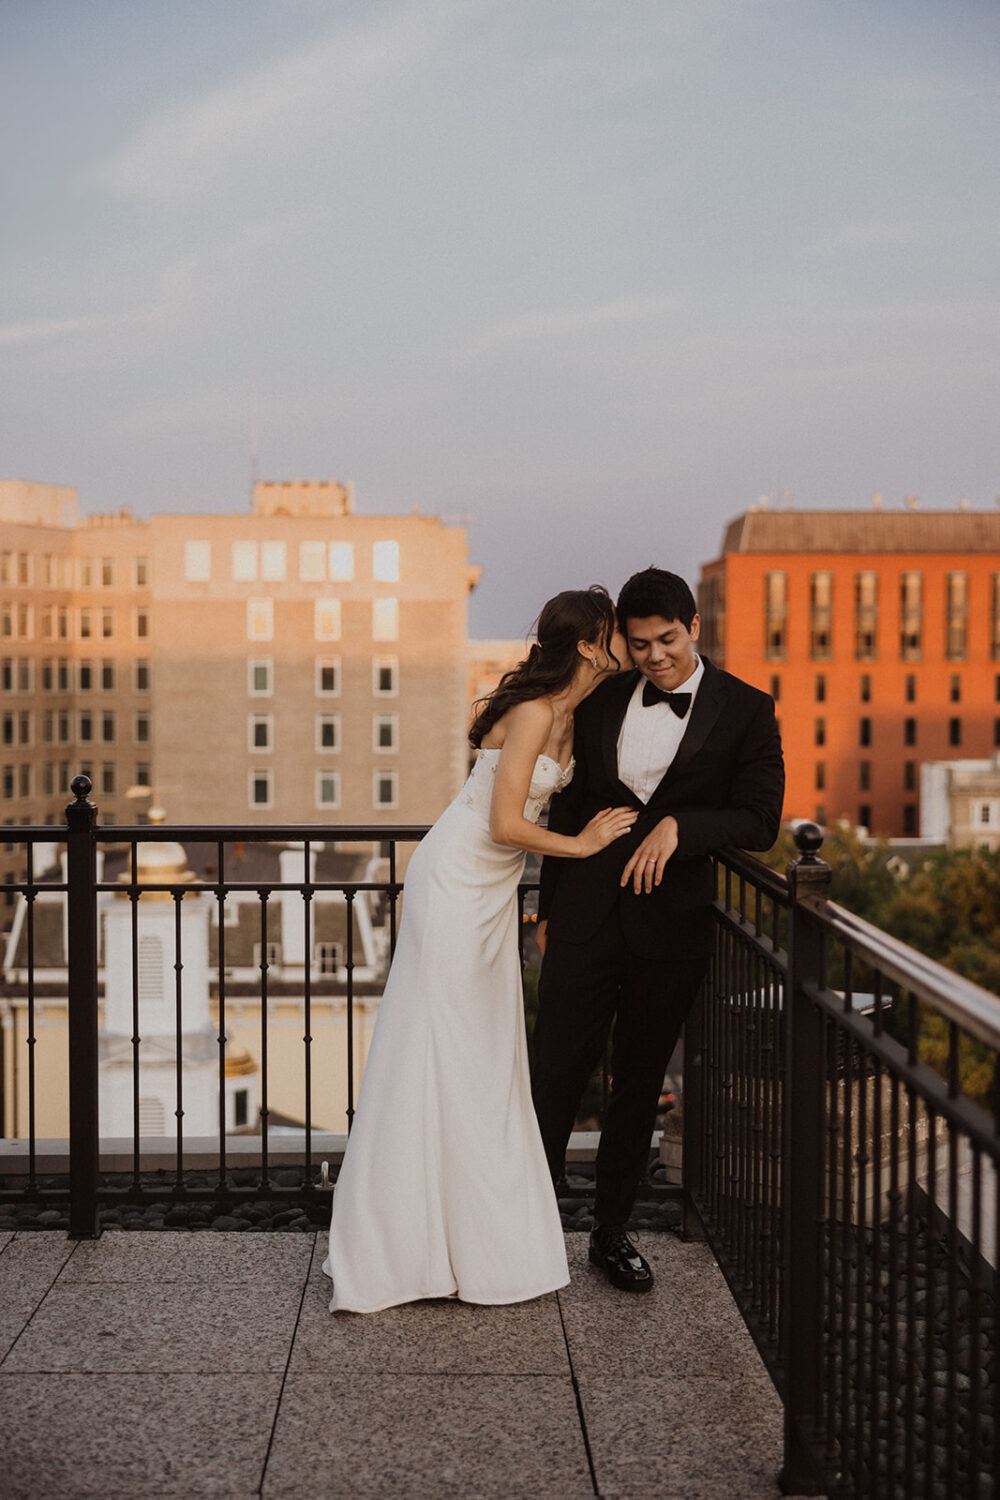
<point x="613" y="1249"/>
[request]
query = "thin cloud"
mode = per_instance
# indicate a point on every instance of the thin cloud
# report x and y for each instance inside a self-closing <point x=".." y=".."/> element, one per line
<point x="56" y="328"/>
<point x="560" y="322"/>
<point x="182" y="154"/>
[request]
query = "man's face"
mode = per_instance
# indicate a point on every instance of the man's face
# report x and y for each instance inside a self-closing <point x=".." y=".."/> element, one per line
<point x="663" y="650"/>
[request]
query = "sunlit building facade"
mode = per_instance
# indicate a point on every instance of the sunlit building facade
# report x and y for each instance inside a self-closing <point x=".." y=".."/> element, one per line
<point x="297" y="663"/>
<point x="878" y="634"/>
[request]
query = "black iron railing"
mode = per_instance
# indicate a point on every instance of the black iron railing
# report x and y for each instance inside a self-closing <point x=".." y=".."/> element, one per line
<point x="849" y="1187"/>
<point x="841" y="1151"/>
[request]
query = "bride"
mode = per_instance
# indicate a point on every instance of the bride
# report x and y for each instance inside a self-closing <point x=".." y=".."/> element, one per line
<point x="444" y="1189"/>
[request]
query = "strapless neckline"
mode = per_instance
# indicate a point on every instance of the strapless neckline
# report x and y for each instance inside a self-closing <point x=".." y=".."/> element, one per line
<point x="562" y="769"/>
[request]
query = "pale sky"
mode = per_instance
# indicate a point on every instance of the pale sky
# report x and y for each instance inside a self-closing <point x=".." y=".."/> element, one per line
<point x="594" y="275"/>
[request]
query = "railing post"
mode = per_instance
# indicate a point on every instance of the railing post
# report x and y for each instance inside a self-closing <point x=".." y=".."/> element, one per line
<point x="81" y="900"/>
<point x="802" y="1174"/>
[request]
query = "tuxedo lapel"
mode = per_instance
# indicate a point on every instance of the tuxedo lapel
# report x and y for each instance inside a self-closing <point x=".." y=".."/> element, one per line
<point x="705" y="710"/>
<point x="618" y="696"/>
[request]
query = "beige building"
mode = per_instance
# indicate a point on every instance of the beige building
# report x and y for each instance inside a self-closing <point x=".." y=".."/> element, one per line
<point x="960" y="803"/>
<point x="299" y="663"/>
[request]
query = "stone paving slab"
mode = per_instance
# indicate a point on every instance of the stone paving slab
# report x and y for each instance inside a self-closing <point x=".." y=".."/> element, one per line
<point x="29" y="1264"/>
<point x="193" y="1259"/>
<point x="433" y="1337"/>
<point x="687" y="1325"/>
<point x="427" y="1437"/>
<point x="699" y="1437"/>
<point x="70" y="1436"/>
<point x="158" y="1364"/>
<point x="168" y="1329"/>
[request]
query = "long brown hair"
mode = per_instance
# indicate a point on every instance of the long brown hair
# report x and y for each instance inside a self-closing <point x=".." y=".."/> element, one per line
<point x="572" y="616"/>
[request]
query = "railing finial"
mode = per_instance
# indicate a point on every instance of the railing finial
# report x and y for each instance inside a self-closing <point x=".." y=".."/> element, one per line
<point x="808" y="839"/>
<point x="81" y="787"/>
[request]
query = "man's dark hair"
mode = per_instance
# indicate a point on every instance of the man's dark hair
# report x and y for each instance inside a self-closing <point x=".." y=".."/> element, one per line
<point x="656" y="592"/>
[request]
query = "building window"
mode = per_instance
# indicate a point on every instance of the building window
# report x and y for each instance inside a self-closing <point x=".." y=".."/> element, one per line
<point x="260" y="732"/>
<point x="327" y="622"/>
<point x="819" y="732"/>
<point x="386" y="789"/>
<point x="273" y="562"/>
<point x="909" y="820"/>
<point x="911" y="615"/>
<point x="197" y="562"/>
<point x="954" y="688"/>
<point x="820" y="775"/>
<point x="107" y="624"/>
<point x="64" y="734"/>
<point x="985" y="814"/>
<point x="107" y="572"/>
<point x="954" y="732"/>
<point x="385" y="619"/>
<point x="341" y="558"/>
<point x="140" y="676"/>
<point x="328" y="732"/>
<point x="385" y="732"/>
<point x="864" y="731"/>
<point x="85" y="676"/>
<point x="775" y="614"/>
<point x="244" y="562"/>
<point x="865" y="815"/>
<point x="996" y="734"/>
<point x="108" y="727"/>
<point x="956" y="608"/>
<point x="909" y="731"/>
<point x="85" y="572"/>
<point x="385" y="562"/>
<point x="821" y="615"/>
<point x="266" y="955"/>
<point x="326" y="957"/>
<point x="328" y="677"/>
<point x="241" y="1108"/>
<point x="866" y="615"/>
<point x="820" y="688"/>
<point x="261" y="788"/>
<point x="85" y="732"/>
<point x="776" y="688"/>
<point x="141" y="729"/>
<point x="910" y="688"/>
<point x="864" y="775"/>
<point x="909" y="775"/>
<point x="141" y="775"/>
<point x="86" y="625"/>
<point x="312" y="562"/>
<point x="819" y="816"/>
<point x="327" y="789"/>
<point x="108" y="778"/>
<point x="260" y="677"/>
<point x="260" y="619"/>
<point x="385" y="676"/>
<point x="141" y="572"/>
<point x="141" y="622"/>
<point x="62" y="623"/>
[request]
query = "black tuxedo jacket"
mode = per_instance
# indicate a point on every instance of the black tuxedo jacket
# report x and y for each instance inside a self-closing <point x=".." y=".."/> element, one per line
<point x="725" y="788"/>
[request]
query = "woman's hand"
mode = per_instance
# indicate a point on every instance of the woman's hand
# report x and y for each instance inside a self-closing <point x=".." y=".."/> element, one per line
<point x="603" y="829"/>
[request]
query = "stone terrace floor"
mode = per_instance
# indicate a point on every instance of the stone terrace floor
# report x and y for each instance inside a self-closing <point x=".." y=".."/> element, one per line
<point x="178" y="1364"/>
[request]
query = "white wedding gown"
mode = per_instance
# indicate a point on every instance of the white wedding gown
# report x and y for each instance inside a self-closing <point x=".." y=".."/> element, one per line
<point x="444" y="1190"/>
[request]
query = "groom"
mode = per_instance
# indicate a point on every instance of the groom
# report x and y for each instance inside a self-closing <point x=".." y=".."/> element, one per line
<point x="626" y="935"/>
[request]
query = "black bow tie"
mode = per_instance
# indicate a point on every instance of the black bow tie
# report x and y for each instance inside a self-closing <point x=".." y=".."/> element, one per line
<point x="679" y="702"/>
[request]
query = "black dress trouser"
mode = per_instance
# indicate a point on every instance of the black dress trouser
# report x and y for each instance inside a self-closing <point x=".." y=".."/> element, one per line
<point x="583" y="988"/>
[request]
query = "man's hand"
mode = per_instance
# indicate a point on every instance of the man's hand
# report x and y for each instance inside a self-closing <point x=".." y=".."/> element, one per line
<point x="541" y="936"/>
<point x="645" y="868"/>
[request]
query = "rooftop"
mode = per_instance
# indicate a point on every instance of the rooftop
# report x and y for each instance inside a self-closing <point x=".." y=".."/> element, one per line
<point x="863" y="531"/>
<point x="193" y="1364"/>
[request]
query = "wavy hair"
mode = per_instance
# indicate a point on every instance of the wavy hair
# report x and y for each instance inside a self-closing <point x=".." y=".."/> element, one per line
<point x="572" y="616"/>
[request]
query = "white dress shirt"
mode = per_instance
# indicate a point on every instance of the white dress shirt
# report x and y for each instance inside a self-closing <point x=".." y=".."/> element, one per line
<point x="650" y="736"/>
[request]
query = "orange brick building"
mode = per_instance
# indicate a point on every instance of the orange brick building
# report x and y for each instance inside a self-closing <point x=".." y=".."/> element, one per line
<point x="877" y="633"/>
